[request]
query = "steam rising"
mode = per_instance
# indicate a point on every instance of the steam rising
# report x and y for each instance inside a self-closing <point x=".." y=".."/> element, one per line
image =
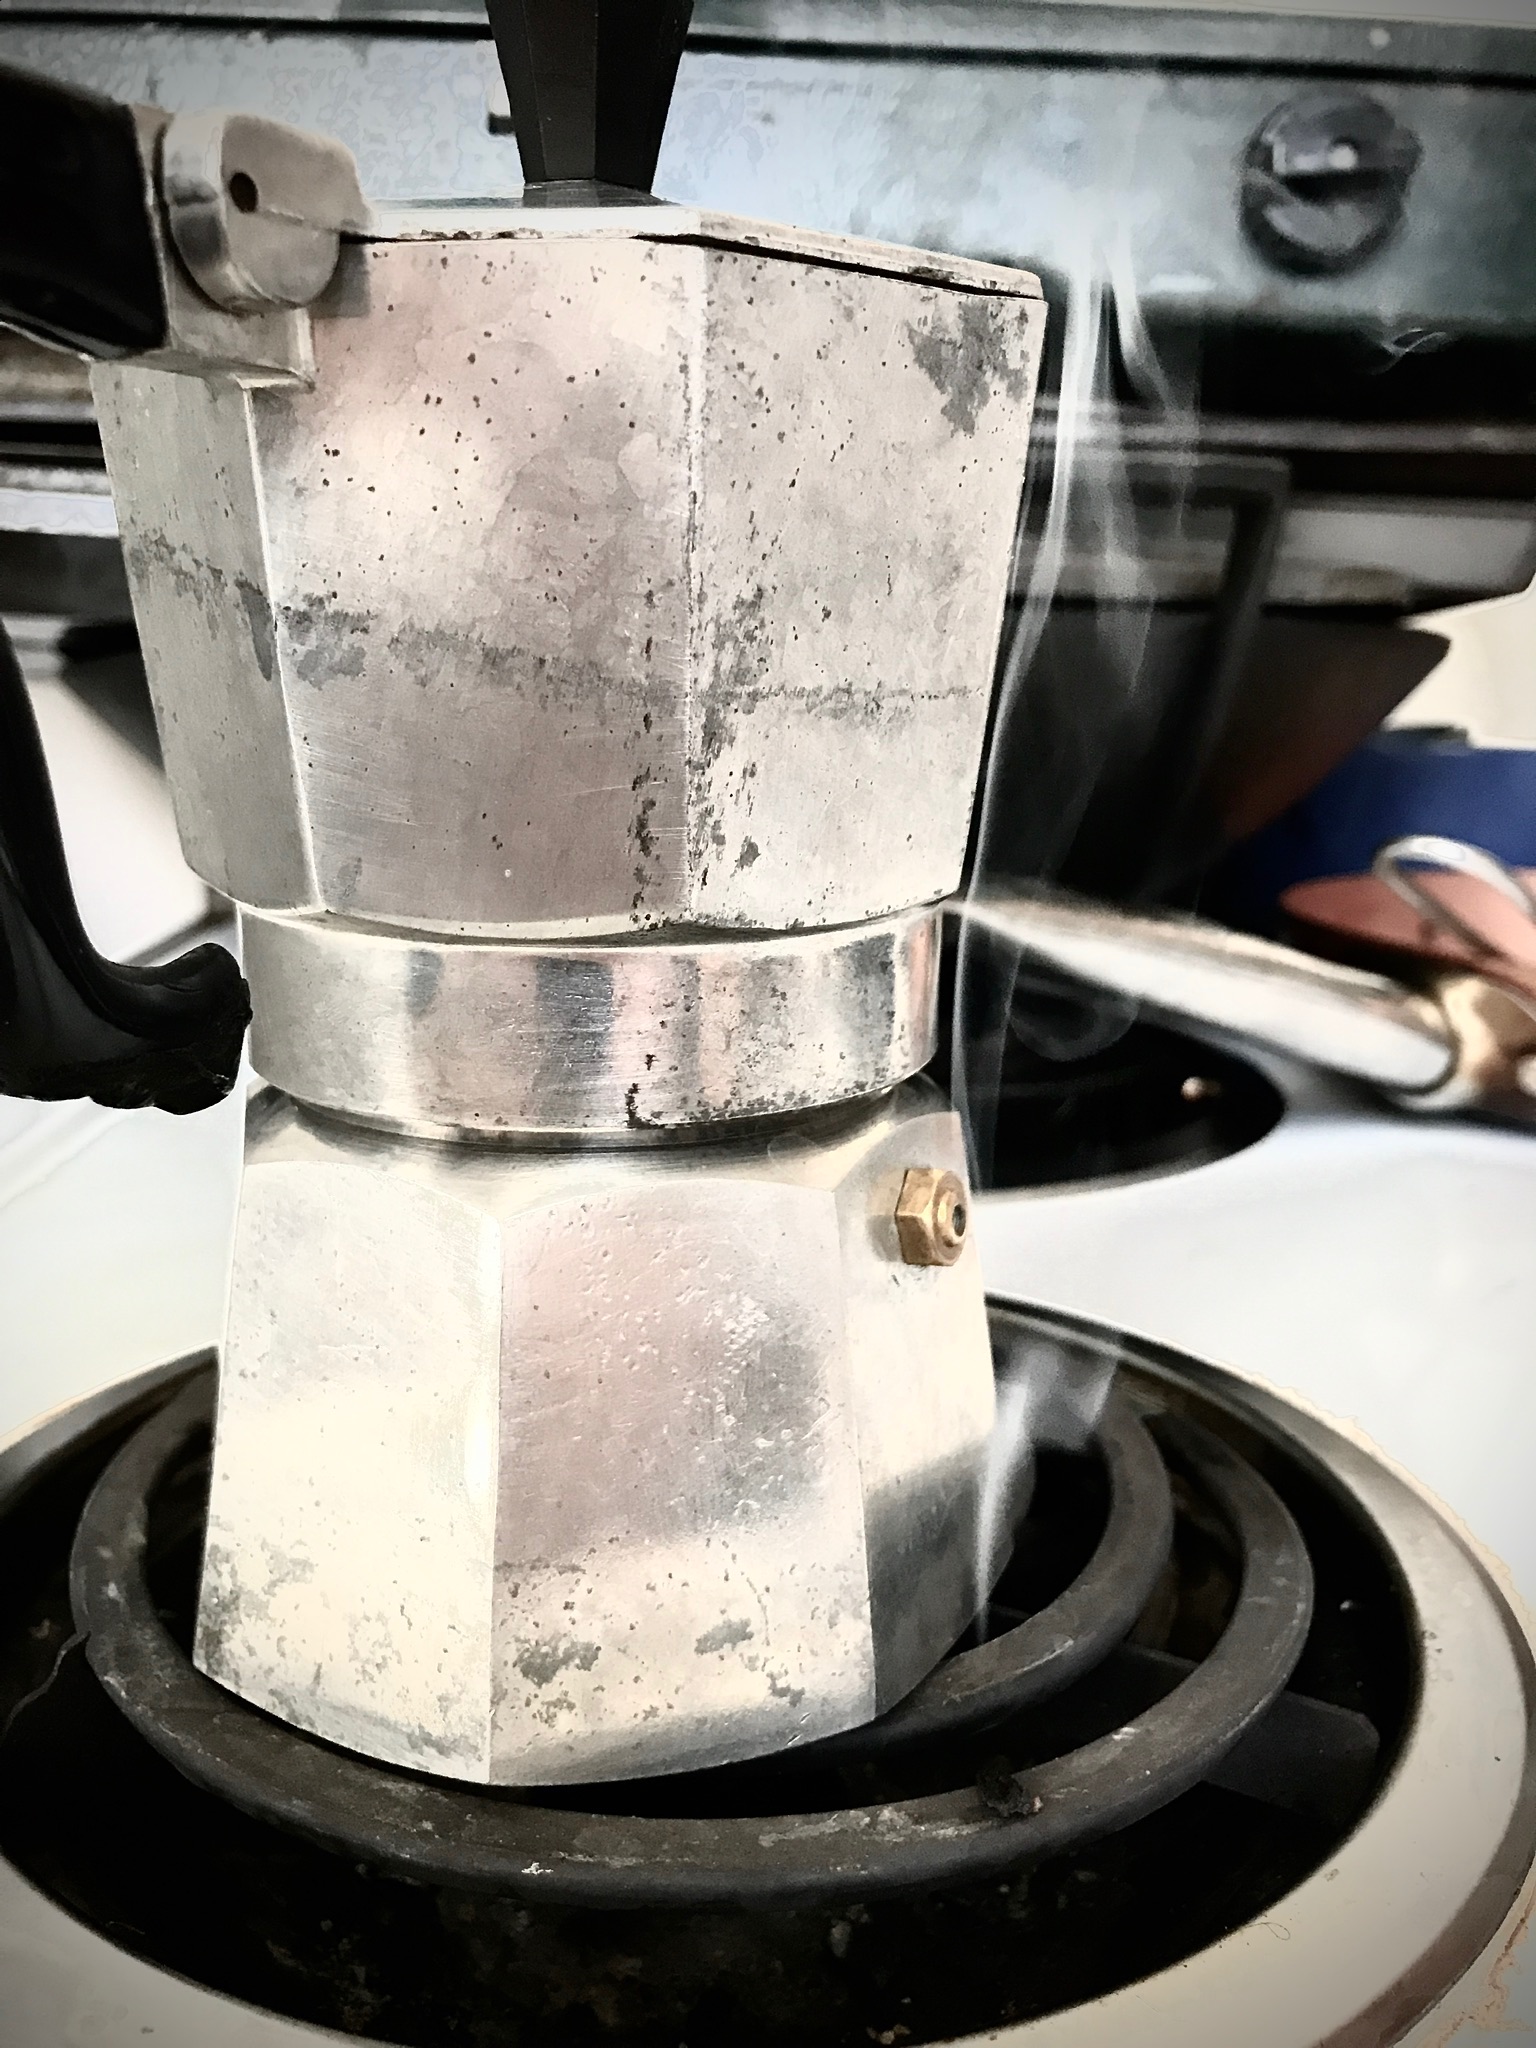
<point x="1049" y="1392"/>
<point x="1086" y="541"/>
<point x="1085" y="536"/>
<point x="1007" y="1481"/>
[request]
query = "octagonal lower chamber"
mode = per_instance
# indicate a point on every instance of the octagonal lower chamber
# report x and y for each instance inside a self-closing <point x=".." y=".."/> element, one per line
<point x="547" y="1467"/>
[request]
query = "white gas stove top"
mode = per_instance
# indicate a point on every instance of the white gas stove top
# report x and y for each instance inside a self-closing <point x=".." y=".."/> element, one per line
<point x="1371" y="1268"/>
<point x="1378" y="1268"/>
<point x="1374" y="1268"/>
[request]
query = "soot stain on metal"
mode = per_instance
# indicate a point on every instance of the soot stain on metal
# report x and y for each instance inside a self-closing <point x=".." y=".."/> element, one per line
<point x="232" y="1601"/>
<point x="644" y="837"/>
<point x="258" y="615"/>
<point x="348" y="875"/>
<point x="541" y="1663"/>
<point x="424" y="974"/>
<point x="967" y="362"/>
<point x="152" y="557"/>
<point x="320" y="631"/>
<point x="725" y="1635"/>
<point x="219" y="1611"/>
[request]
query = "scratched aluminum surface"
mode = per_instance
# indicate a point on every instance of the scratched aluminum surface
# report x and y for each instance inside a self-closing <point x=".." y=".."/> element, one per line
<point x="446" y="1036"/>
<point x="599" y="582"/>
<point x="663" y="1457"/>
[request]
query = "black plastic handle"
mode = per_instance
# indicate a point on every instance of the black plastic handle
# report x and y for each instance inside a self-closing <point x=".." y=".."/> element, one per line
<point x="78" y="268"/>
<point x="72" y="1023"/>
<point x="589" y="83"/>
<point x="77" y="251"/>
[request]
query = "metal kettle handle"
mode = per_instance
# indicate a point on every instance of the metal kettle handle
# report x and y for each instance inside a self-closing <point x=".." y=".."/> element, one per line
<point x="1336" y="1017"/>
<point x="72" y="1023"/>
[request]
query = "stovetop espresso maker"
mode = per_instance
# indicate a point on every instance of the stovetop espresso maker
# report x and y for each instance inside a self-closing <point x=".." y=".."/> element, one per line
<point x="571" y="625"/>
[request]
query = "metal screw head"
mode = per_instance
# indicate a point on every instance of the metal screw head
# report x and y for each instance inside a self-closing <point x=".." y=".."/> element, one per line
<point x="1199" y="1088"/>
<point x="932" y="1213"/>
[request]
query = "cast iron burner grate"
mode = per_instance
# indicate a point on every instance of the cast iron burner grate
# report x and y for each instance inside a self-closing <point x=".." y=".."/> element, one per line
<point x="1117" y="1776"/>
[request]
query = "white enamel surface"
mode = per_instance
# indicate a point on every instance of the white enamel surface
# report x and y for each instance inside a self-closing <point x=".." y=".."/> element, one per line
<point x="1487" y="682"/>
<point x="1382" y="1268"/>
<point x="114" y="1224"/>
<point x="114" y="1245"/>
<point x="133" y="887"/>
<point x="1379" y="1268"/>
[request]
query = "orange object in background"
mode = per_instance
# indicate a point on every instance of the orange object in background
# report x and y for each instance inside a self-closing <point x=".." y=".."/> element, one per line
<point x="1477" y="914"/>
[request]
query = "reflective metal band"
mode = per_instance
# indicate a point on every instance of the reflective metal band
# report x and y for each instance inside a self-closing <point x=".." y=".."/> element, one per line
<point x="1338" y="1017"/>
<point x="466" y="1036"/>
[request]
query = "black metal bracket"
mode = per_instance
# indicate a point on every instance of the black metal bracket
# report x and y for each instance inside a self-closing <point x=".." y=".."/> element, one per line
<point x="589" y="82"/>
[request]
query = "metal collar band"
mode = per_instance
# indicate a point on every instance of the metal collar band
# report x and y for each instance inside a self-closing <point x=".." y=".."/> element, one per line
<point x="464" y="1037"/>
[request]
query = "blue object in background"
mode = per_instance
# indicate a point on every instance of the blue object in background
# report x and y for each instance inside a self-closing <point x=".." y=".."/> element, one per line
<point x="1413" y="779"/>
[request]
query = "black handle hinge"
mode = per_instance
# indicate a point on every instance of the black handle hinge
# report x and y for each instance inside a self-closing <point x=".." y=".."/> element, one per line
<point x="71" y="1023"/>
<point x="78" y="264"/>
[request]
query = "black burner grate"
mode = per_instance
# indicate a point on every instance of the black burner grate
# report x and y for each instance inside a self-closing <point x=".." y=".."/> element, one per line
<point x="618" y="1849"/>
<point x="1112" y="1780"/>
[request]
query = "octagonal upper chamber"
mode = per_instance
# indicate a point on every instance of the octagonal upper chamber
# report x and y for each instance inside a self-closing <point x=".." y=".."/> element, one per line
<point x="621" y="568"/>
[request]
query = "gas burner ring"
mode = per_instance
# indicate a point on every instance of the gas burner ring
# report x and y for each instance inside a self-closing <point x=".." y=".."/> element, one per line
<point x="1043" y="1654"/>
<point x="477" y="1839"/>
<point x="116" y="1871"/>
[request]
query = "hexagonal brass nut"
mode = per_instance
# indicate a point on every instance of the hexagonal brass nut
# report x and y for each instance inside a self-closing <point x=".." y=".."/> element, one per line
<point x="539" y="1468"/>
<point x="932" y="1213"/>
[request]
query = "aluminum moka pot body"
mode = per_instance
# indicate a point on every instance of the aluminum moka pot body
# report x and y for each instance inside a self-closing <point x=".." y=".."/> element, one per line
<point x="571" y="640"/>
<point x="618" y="569"/>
